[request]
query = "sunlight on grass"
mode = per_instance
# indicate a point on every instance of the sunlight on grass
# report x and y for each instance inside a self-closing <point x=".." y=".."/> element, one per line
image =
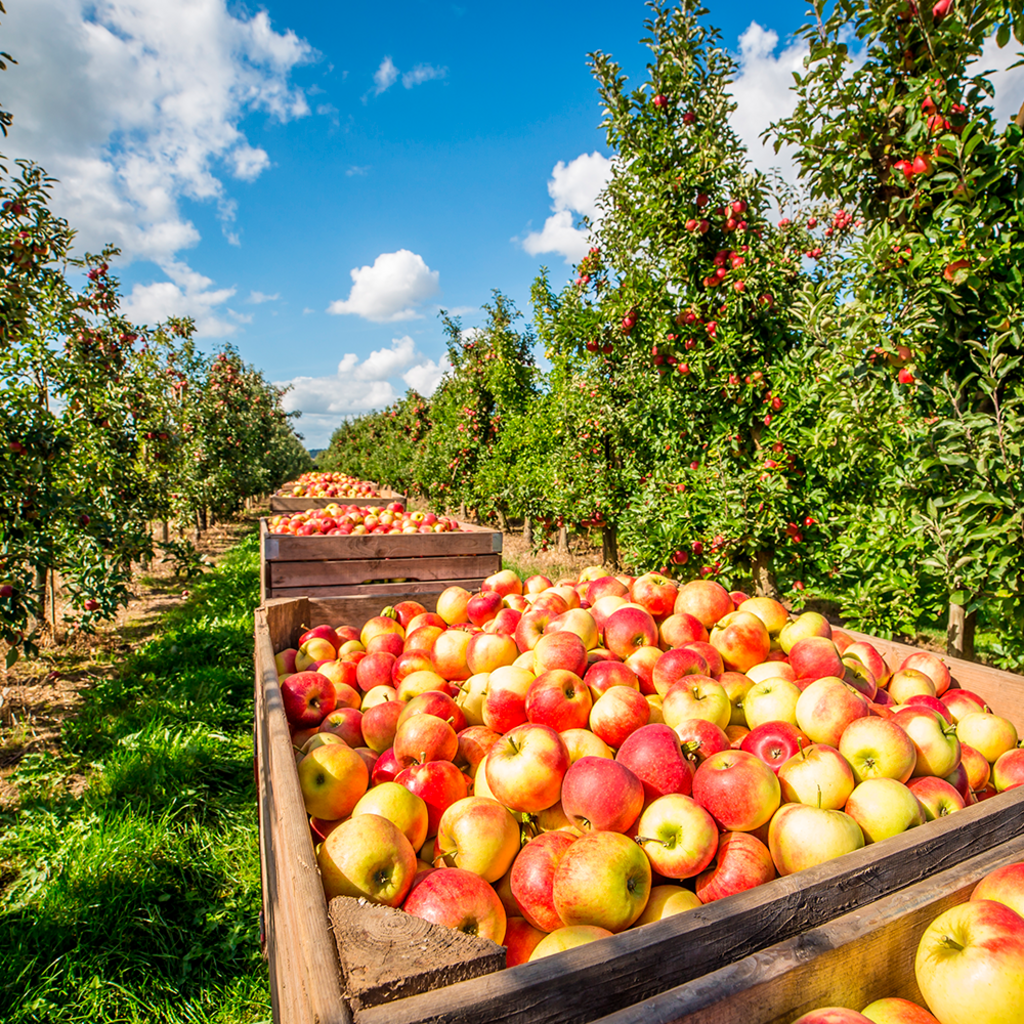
<point x="139" y="900"/>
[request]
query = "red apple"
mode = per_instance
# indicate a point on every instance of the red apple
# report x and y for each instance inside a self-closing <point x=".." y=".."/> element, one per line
<point x="617" y="713"/>
<point x="680" y="628"/>
<point x="937" y="796"/>
<point x="308" y="697"/>
<point x="705" y="600"/>
<point x="439" y="783"/>
<point x="654" y="755"/>
<point x="532" y="878"/>
<point x="478" y="834"/>
<point x="504" y="704"/>
<point x="738" y="789"/>
<point x="884" y="807"/>
<point x="603" y="675"/>
<point x="741" y="862"/>
<point x="878" y="748"/>
<point x="601" y="795"/>
<point x="655" y="592"/>
<point x="933" y="666"/>
<point x="699" y="739"/>
<point x="629" y="628"/>
<point x="461" y="900"/>
<point x="818" y="775"/>
<point x="678" y="835"/>
<point x="827" y="707"/>
<point x="673" y="665"/>
<point x="814" y="657"/>
<point x="742" y="640"/>
<point x="345" y="723"/>
<point x="774" y="743"/>
<point x="524" y="769"/>
<point x="367" y="857"/>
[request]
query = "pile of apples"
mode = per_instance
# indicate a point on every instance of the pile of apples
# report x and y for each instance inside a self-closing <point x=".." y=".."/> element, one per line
<point x="969" y="964"/>
<point x="342" y="520"/>
<point x="548" y="764"/>
<point x="329" y="485"/>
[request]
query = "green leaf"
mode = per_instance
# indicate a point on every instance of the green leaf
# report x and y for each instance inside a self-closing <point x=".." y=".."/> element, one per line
<point x="1003" y="35"/>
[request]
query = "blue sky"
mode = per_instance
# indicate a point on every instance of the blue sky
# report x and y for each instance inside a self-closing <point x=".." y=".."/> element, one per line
<point x="313" y="181"/>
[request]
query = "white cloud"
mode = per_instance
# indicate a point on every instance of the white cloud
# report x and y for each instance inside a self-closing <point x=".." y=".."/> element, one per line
<point x="391" y="289"/>
<point x="138" y="106"/>
<point x="359" y="386"/>
<point x="357" y="171"/>
<point x="1009" y="83"/>
<point x="188" y="293"/>
<point x="422" y="73"/>
<point x="385" y="76"/>
<point x="763" y="94"/>
<point x="574" y="189"/>
<point x="256" y="298"/>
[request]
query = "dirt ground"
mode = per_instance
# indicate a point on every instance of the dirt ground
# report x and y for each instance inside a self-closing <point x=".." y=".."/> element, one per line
<point x="37" y="695"/>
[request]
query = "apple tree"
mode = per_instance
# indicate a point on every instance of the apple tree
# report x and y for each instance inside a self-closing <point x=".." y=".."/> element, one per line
<point x="925" y="300"/>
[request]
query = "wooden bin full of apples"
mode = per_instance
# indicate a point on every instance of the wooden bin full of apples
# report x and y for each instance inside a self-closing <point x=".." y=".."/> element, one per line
<point x="623" y="789"/>
<point x="318" y="490"/>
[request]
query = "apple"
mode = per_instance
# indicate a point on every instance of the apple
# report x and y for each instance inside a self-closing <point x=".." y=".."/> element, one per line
<point x="741" y="862"/>
<point x="738" y="789"/>
<point x="827" y="707"/>
<point x="736" y="685"/>
<point x="869" y="657"/>
<point x="436" y="703"/>
<point x="818" y="775"/>
<point x="375" y="670"/>
<point x="560" y="699"/>
<point x="568" y="937"/>
<point x="603" y="879"/>
<point x="933" y="703"/>
<point x="895" y="1010"/>
<point x="603" y="675"/>
<point x="392" y="643"/>
<point x="742" y="639"/>
<point x="771" y="700"/>
<point x="774" y="743"/>
<point x="771" y="670"/>
<point x="678" y="835"/>
<point x="346" y="723"/>
<point x="424" y="738"/>
<point x="439" y="783"/>
<point x="478" y="834"/>
<point x="385" y="769"/>
<point x="641" y="663"/>
<point x="962" y="702"/>
<point x="990" y="735"/>
<point x="423" y="638"/>
<point x="654" y="755"/>
<point x="452" y="603"/>
<point x="938" y="749"/>
<point x="909" y="682"/>
<point x="471" y="696"/>
<point x="1008" y="771"/>
<point x="599" y="794"/>
<point x="578" y="621"/>
<point x="1004" y="885"/>
<point x="284" y="661"/>
<point x="332" y="779"/>
<point x="459" y="899"/>
<point x="487" y="651"/>
<point x="699" y="739"/>
<point x="505" y="622"/>
<point x="562" y="650"/>
<point x="504" y="704"/>
<point x="801" y="836"/>
<point x="628" y="628"/>
<point x="400" y="806"/>
<point x="532" y="877"/>
<point x="602" y="609"/>
<point x="674" y="665"/>
<point x="805" y="625"/>
<point x="938" y="797"/>
<point x="970" y="964"/>
<point x="884" y="807"/>
<point x="307" y="697"/>
<point x="450" y="654"/>
<point x="524" y="769"/>
<point x="667" y="901"/>
<point x="483" y="607"/>
<point x="377" y="625"/>
<point x="771" y="612"/>
<point x="878" y="748"/>
<point x="705" y="600"/>
<point x="680" y="628"/>
<point x="367" y="857"/>
<point x="617" y="713"/>
<point x="814" y="657"/>
<point x="531" y="627"/>
<point x="933" y="666"/>
<point x="711" y="655"/>
<point x="697" y="697"/>
<point x="521" y="939"/>
<point x="314" y="649"/>
<point x="977" y="767"/>
<point x="404" y="612"/>
<point x="832" y="1015"/>
<point x="654" y="592"/>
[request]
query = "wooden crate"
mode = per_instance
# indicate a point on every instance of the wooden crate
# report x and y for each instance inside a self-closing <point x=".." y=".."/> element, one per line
<point x="848" y="962"/>
<point x="591" y="981"/>
<point x="341" y="566"/>
<point x="282" y="503"/>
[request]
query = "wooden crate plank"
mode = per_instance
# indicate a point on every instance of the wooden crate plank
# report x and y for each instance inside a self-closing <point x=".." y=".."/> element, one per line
<point x="848" y="962"/>
<point x="365" y="571"/>
<point x="286" y="503"/>
<point x="305" y="975"/>
<point x="284" y="547"/>
<point x="387" y="592"/>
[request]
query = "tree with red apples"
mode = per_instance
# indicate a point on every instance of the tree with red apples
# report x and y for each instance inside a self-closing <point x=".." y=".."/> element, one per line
<point x="922" y="355"/>
<point x="678" y="318"/>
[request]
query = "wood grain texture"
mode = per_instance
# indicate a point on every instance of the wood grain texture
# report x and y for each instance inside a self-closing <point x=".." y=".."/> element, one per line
<point x="305" y="978"/>
<point x="386" y="953"/>
<point x="385" y="593"/>
<point x="352" y="572"/>
<point x="282" y="503"/>
<point x="848" y="962"/>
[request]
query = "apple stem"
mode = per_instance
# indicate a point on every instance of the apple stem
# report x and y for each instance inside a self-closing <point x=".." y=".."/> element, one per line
<point x="952" y="943"/>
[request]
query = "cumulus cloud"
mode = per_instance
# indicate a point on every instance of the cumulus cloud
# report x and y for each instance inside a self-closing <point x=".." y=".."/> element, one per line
<point x="135" y="107"/>
<point x="360" y="385"/>
<point x="422" y="73"/>
<point x="763" y="94"/>
<point x="188" y="293"/>
<point x="391" y="289"/>
<point x="574" y="189"/>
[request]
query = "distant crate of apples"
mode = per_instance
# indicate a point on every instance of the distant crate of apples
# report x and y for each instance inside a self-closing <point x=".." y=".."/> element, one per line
<point x="317" y="490"/>
<point x="550" y="764"/>
<point x="344" y="550"/>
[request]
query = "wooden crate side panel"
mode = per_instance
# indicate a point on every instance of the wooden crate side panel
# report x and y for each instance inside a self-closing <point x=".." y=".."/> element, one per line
<point x="386" y="593"/>
<point x="364" y="572"/>
<point x="848" y="962"/>
<point x="638" y="964"/>
<point x="304" y="971"/>
<point x="283" y="547"/>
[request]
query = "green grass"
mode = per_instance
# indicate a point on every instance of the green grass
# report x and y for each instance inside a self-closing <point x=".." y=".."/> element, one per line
<point x="139" y="900"/>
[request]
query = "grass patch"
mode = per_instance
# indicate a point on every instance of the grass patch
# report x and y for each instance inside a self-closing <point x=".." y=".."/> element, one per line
<point x="138" y="900"/>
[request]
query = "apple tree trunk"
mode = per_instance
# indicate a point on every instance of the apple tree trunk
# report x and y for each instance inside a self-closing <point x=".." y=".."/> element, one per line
<point x="610" y="546"/>
<point x="764" y="579"/>
<point x="960" y="632"/>
<point x="528" y="531"/>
